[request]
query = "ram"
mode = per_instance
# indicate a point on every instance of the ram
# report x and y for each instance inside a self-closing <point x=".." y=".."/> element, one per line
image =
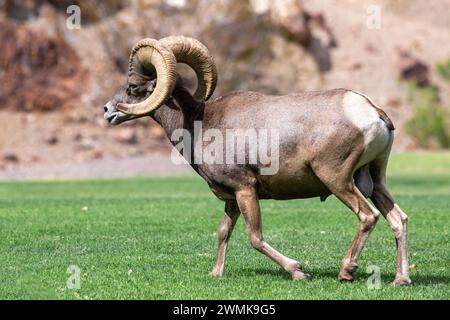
<point x="329" y="142"/>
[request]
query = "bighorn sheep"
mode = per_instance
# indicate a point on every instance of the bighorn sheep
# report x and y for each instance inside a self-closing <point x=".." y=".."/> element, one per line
<point x="331" y="142"/>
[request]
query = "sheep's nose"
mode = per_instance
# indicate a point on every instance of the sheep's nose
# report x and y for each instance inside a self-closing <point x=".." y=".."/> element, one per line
<point x="105" y="108"/>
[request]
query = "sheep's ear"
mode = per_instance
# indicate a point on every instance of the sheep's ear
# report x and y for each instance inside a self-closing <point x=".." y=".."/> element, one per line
<point x="151" y="85"/>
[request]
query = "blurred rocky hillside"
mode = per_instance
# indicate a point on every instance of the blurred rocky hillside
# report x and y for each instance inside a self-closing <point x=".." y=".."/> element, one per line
<point x="56" y="79"/>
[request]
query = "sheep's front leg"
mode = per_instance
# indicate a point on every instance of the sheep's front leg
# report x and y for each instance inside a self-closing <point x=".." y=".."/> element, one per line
<point x="224" y="233"/>
<point x="249" y="206"/>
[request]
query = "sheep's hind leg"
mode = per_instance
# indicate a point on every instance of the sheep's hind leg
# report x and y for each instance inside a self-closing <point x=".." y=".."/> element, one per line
<point x="396" y="218"/>
<point x="224" y="233"/>
<point x="247" y="200"/>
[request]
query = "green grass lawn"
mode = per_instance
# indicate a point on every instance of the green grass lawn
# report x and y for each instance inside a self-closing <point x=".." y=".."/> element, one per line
<point x="155" y="238"/>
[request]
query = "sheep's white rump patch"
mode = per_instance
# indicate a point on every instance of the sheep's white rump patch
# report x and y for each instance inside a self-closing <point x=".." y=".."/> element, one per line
<point x="358" y="109"/>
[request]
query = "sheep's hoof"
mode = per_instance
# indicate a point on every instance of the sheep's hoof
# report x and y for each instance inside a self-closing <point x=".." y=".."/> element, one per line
<point x="216" y="273"/>
<point x="300" y="275"/>
<point x="345" y="276"/>
<point x="401" y="281"/>
<point x="347" y="270"/>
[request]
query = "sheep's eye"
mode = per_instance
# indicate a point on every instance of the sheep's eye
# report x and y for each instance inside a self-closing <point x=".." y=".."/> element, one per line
<point x="132" y="90"/>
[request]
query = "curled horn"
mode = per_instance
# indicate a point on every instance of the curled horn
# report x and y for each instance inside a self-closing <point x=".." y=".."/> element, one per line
<point x="193" y="53"/>
<point x="150" y="54"/>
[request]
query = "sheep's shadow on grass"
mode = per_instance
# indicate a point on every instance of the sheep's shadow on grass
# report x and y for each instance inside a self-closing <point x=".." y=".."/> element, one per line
<point x="274" y="273"/>
<point x="424" y="280"/>
<point x="417" y="279"/>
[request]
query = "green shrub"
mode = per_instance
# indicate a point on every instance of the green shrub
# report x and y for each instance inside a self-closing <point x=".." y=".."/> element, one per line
<point x="444" y="69"/>
<point x="429" y="125"/>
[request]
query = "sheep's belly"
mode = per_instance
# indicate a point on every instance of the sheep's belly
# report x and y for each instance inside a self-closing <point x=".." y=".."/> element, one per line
<point x="285" y="185"/>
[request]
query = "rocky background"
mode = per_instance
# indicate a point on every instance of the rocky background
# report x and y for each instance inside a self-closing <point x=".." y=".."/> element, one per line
<point x="54" y="79"/>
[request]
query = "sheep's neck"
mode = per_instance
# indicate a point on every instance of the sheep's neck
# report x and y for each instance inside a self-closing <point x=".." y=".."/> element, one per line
<point x="180" y="112"/>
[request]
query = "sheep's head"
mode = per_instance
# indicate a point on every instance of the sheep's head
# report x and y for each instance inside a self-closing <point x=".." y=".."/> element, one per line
<point x="138" y="88"/>
<point x="152" y="76"/>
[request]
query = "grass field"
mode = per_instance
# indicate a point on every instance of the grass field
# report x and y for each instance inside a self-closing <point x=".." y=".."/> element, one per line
<point x="156" y="239"/>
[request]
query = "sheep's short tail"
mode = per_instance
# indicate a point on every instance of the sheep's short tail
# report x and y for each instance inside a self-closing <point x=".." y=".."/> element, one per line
<point x="385" y="118"/>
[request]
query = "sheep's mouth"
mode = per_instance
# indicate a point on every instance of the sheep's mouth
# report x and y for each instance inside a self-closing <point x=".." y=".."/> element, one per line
<point x="111" y="117"/>
<point x="117" y="117"/>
